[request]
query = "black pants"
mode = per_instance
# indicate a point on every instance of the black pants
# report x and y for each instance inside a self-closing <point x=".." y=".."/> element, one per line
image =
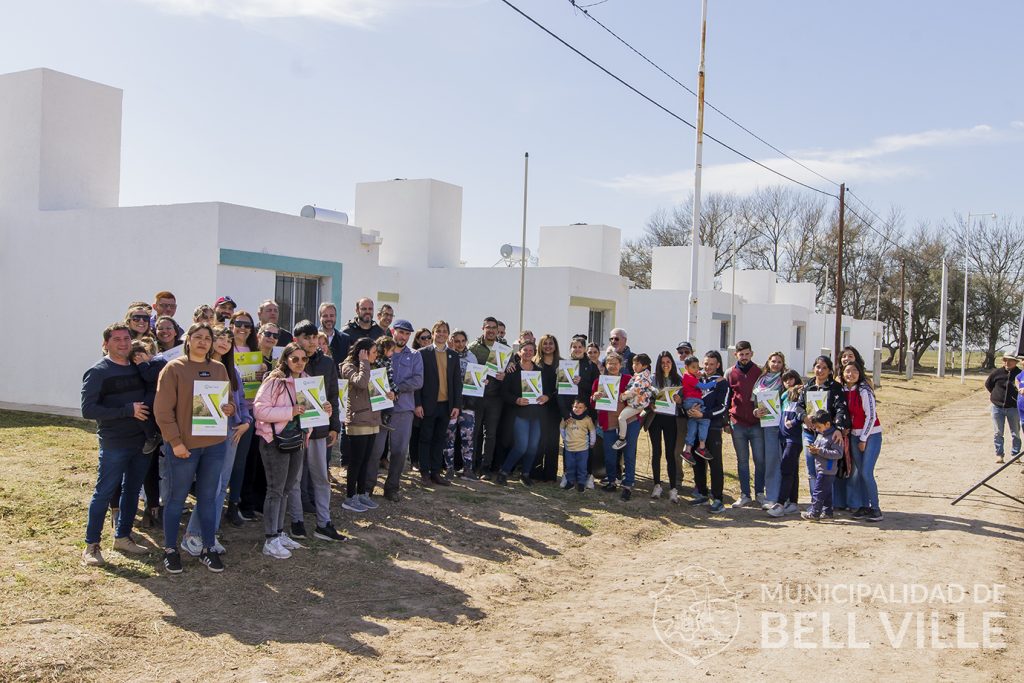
<point x="359" y="448"/>
<point x="546" y="467"/>
<point x="789" y="487"/>
<point x="485" y="432"/>
<point x="433" y="435"/>
<point x="663" y="427"/>
<point x="254" y="483"/>
<point x="701" y="466"/>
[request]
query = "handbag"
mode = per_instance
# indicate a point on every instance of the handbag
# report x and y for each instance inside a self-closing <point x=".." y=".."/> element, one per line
<point x="845" y="464"/>
<point x="291" y="436"/>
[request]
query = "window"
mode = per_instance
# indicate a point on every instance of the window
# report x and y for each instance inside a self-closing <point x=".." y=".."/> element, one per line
<point x="799" y="337"/>
<point x="595" y="328"/>
<point x="723" y="335"/>
<point x="298" y="298"/>
<point x="846" y="337"/>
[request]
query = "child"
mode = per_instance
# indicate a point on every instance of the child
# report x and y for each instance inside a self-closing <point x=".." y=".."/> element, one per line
<point x="149" y="370"/>
<point x="638" y="395"/>
<point x="791" y="419"/>
<point x="696" y="429"/>
<point x="578" y="436"/>
<point x="826" y="453"/>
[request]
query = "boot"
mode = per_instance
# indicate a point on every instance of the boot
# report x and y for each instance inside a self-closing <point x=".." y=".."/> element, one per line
<point x="232" y="516"/>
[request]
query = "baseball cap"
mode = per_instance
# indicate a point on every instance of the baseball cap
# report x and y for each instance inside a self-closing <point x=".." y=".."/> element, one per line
<point x="403" y="324"/>
<point x="684" y="345"/>
<point x="226" y="300"/>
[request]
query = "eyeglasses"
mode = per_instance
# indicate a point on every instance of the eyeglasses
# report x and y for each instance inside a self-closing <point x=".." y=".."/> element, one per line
<point x="296" y="359"/>
<point x="613" y="339"/>
<point x="243" y="324"/>
<point x="272" y="335"/>
<point x="424" y="337"/>
<point x="140" y="317"/>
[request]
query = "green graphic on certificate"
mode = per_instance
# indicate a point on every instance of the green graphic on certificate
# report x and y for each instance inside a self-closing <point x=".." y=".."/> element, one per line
<point x="249" y="364"/>
<point x="531" y="385"/>
<point x="568" y="370"/>
<point x="343" y="396"/>
<point x="311" y="395"/>
<point x="498" y="358"/>
<point x="379" y="388"/>
<point x="208" y="418"/>
<point x="473" y="379"/>
<point x="608" y="388"/>
<point x="814" y="401"/>
<point x="664" y="401"/>
<point x="769" y="400"/>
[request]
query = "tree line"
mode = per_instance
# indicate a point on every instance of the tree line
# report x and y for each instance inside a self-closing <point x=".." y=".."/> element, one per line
<point x="795" y="234"/>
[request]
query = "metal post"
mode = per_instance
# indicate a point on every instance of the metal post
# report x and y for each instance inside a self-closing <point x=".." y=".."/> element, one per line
<point x="522" y="263"/>
<point x="903" y="314"/>
<point x="824" y="315"/>
<point x="910" y="362"/>
<point x="691" y="326"/>
<point x="940" y="371"/>
<point x="839" y="279"/>
<point x="732" y="303"/>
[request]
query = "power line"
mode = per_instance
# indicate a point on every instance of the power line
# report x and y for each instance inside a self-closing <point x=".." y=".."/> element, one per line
<point x="689" y="90"/>
<point x="658" y="104"/>
<point x="873" y="228"/>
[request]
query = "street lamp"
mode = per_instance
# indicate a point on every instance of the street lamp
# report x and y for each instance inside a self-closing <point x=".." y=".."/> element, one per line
<point x="963" y="328"/>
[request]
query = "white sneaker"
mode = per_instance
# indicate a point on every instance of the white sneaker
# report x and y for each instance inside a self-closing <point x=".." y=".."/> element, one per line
<point x="218" y="548"/>
<point x="621" y="443"/>
<point x="656" y="493"/>
<point x="590" y="481"/>
<point x="272" y="547"/>
<point x="673" y="496"/>
<point x="743" y="501"/>
<point x="353" y="504"/>
<point x="288" y="542"/>
<point x="193" y="545"/>
<point x="563" y="482"/>
<point x="367" y="502"/>
<point x="762" y="501"/>
<point x="777" y="510"/>
<point x="791" y="509"/>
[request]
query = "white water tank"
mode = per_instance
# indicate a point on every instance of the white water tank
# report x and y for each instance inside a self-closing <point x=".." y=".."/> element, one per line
<point x="329" y="215"/>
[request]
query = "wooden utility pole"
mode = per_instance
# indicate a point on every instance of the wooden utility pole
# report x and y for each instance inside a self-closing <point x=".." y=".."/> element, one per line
<point x="839" y="279"/>
<point x="903" y="313"/>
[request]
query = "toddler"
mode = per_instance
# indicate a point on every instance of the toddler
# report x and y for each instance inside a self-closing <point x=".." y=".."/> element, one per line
<point x="638" y="395"/>
<point x="578" y="436"/>
<point x="696" y="428"/>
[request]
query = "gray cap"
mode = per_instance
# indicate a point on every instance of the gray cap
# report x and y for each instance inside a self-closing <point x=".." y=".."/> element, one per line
<point x="403" y="324"/>
<point x="684" y="345"/>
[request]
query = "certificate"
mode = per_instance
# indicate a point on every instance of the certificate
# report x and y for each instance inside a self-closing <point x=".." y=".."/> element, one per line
<point x="531" y="385"/>
<point x="310" y="394"/>
<point x="473" y="379"/>
<point x="568" y="370"/>
<point x="769" y="400"/>
<point x="379" y="388"/>
<point x="172" y="353"/>
<point x="498" y="358"/>
<point x="608" y="388"/>
<point x="248" y="363"/>
<point x="664" y="401"/>
<point x="343" y="396"/>
<point x="208" y="419"/>
<point x="814" y="401"/>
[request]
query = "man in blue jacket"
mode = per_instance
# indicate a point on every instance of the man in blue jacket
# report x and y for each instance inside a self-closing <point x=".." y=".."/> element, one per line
<point x="407" y="369"/>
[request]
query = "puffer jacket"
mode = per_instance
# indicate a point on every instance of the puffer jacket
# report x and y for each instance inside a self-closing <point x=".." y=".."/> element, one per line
<point x="360" y="415"/>
<point x="273" y="406"/>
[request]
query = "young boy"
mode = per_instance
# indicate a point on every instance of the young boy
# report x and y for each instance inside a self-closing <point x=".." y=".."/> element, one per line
<point x="696" y="429"/>
<point x="638" y="395"/>
<point x="578" y="435"/>
<point x="826" y="454"/>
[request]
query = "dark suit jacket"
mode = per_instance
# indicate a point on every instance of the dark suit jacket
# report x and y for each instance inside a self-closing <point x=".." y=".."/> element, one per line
<point x="427" y="396"/>
<point x="338" y="350"/>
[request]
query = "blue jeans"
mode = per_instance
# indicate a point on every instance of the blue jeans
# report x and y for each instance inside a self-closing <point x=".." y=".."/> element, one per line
<point x="696" y="429"/>
<point x="772" y="463"/>
<point x="611" y="456"/>
<point x="203" y="465"/>
<point x="194" y="527"/>
<point x="1000" y="418"/>
<point x="125" y="466"/>
<point x="576" y="466"/>
<point x="862" y="488"/>
<point x="821" y="491"/>
<point x="808" y="439"/>
<point x="749" y="441"/>
<point x="526" y="435"/>
<point x="238" y="464"/>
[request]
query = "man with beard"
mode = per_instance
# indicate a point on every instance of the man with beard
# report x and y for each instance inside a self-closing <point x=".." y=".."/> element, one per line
<point x="360" y="326"/>
<point x="268" y="313"/>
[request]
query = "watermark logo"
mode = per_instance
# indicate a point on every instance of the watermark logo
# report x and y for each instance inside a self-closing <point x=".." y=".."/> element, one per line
<point x="695" y="615"/>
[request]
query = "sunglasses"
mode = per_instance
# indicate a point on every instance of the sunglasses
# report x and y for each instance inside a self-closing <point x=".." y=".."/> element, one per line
<point x="296" y="359"/>
<point x="272" y="335"/>
<point x="613" y="339"/>
<point x="424" y="337"/>
<point x="242" y="323"/>
<point x="140" y="317"/>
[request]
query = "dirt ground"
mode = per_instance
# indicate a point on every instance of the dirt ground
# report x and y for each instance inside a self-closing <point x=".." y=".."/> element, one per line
<point x="477" y="582"/>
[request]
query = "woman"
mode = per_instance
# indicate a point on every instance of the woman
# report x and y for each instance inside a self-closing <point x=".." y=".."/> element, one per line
<point x="362" y="423"/>
<point x="527" y="416"/>
<point x="608" y="423"/>
<point x="203" y="314"/>
<point x="663" y="427"/>
<point x="865" y="444"/>
<point x="244" y="332"/>
<point x="594" y="355"/>
<point x="166" y="333"/>
<point x="823" y="384"/>
<point x="276" y="424"/>
<point x="385" y="350"/>
<point x="193" y="458"/>
<point x="238" y="425"/>
<point x="716" y="407"/>
<point x="461" y="429"/>
<point x="137" y="319"/>
<point x="769" y="384"/>
<point x="546" y="360"/>
<point x="423" y="338"/>
<point x="850" y="354"/>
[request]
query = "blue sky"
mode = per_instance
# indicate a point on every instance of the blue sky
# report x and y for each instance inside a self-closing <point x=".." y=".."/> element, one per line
<point x="280" y="103"/>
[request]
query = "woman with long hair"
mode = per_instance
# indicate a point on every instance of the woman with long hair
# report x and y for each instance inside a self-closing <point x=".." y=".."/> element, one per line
<point x="865" y="444"/>
<point x="663" y="428"/>
<point x="244" y="331"/>
<point x="137" y="319"/>
<point x="166" y="331"/>
<point x="526" y="417"/>
<point x="769" y="384"/>
<point x="823" y="383"/>
<point x="362" y="422"/>
<point x="546" y="360"/>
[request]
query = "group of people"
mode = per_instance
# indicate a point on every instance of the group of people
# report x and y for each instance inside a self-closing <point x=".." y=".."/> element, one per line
<point x="145" y="394"/>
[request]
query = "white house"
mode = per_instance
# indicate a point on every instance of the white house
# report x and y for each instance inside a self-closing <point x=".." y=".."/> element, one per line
<point x="72" y="259"/>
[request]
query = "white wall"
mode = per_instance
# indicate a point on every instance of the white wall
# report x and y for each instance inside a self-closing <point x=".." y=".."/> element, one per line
<point x="670" y="268"/>
<point x="590" y="247"/>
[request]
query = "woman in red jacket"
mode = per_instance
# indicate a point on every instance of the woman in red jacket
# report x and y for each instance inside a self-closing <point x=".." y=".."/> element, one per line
<point x="865" y="444"/>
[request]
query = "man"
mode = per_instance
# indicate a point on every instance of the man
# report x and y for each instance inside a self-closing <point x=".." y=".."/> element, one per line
<point x="268" y="312"/>
<point x="385" y="314"/>
<point x="683" y="350"/>
<point x="1002" y="389"/>
<point x="747" y="434"/>
<point x="328" y="313"/>
<point x="112" y="394"/>
<point x="320" y="441"/>
<point x="164" y="303"/>
<point x="224" y="309"/>
<point x="360" y="326"/>
<point x="488" y="414"/>
<point x="407" y="371"/>
<point x="501" y="333"/>
<point x="437" y="402"/>
<point x="617" y="340"/>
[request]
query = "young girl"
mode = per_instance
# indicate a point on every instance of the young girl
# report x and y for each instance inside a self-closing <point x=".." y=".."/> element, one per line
<point x="791" y="443"/>
<point x="865" y="444"/>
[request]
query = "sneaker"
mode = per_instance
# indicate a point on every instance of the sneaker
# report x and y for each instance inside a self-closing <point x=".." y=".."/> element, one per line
<point x="172" y="561"/>
<point x="791" y="509"/>
<point x="288" y="543"/>
<point x="702" y="453"/>
<point x="563" y="482"/>
<point x="999" y="460"/>
<point x="777" y="510"/>
<point x="469" y="475"/>
<point x="298" y="530"/>
<point x="580" y="488"/>
<point x="609" y="487"/>
<point x="152" y="443"/>
<point x="809" y="515"/>
<point x="590" y="481"/>
<point x="619" y="444"/>
<point x="830" y="516"/>
<point x="688" y="457"/>
<point x="393" y="496"/>
<point x="91" y="556"/>
<point x="861" y="513"/>
<point x="217" y="547"/>
<point x="367" y="502"/>
<point x="353" y="505"/>
<point x="656" y="492"/>
<point x="128" y="545"/>
<point x="874" y="516"/>
<point x="232" y="515"/>
<point x="673" y="496"/>
<point x="698" y="499"/>
<point x="566" y="485"/>
<point x="501" y="479"/>
<point x="762" y="501"/>
<point x="449" y="473"/>
<point x="272" y="548"/>
<point x="716" y="506"/>
<point x="247" y="515"/>
<point x="211" y="559"/>
<point x="526" y="480"/>
<point x="328" y="533"/>
<point x="192" y="545"/>
<point x="626" y="494"/>
<point x="743" y="501"/>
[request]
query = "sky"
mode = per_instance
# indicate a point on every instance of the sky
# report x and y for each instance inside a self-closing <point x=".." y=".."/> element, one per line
<point x="281" y="103"/>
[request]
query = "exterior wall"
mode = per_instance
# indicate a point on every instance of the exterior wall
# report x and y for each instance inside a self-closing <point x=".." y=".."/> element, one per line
<point x="590" y="247"/>
<point x="670" y="268"/>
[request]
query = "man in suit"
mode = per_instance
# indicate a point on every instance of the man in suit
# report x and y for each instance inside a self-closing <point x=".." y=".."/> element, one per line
<point x="437" y="402"/>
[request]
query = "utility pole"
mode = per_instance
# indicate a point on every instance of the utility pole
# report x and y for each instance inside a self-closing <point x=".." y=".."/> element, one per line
<point x="903" y="313"/>
<point x="691" y="317"/>
<point x="940" y="371"/>
<point x="522" y="263"/>
<point x="839" y="278"/>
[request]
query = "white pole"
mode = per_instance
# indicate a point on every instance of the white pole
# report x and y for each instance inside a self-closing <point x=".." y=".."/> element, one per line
<point x="940" y="371"/>
<point x="824" y="313"/>
<point x="691" y="326"/>
<point x="732" y="303"/>
<point x="963" y="327"/>
<point x="910" y="335"/>
<point x="522" y="263"/>
<point x="878" y="313"/>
